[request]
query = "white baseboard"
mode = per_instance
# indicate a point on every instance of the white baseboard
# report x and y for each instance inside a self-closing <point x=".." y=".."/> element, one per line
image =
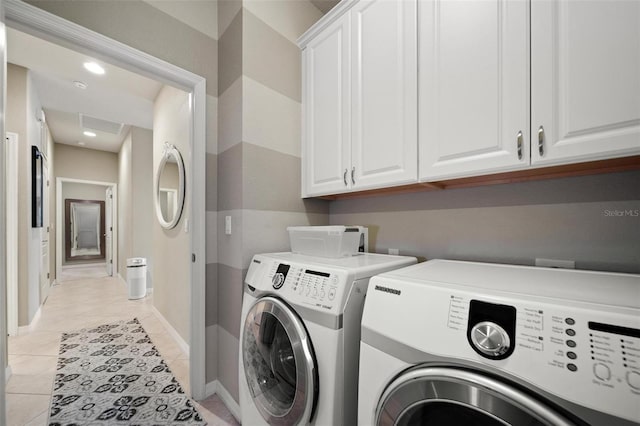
<point x="122" y="280"/>
<point x="172" y="331"/>
<point x="216" y="387"/>
<point x="7" y="374"/>
<point x="28" y="328"/>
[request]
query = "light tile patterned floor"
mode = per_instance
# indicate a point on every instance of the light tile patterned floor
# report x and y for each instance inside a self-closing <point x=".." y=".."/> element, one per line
<point x="74" y="305"/>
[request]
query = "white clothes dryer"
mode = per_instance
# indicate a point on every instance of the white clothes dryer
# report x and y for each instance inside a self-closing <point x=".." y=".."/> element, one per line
<point x="462" y="343"/>
<point x="300" y="335"/>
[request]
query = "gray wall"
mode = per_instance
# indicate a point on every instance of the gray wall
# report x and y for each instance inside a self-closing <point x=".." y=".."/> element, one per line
<point x="22" y="105"/>
<point x="570" y="218"/>
<point x="172" y="247"/>
<point x="135" y="200"/>
<point x="259" y="155"/>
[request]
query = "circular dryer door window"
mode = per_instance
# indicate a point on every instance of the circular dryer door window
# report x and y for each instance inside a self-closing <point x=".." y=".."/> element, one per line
<point x="437" y="396"/>
<point x="279" y="363"/>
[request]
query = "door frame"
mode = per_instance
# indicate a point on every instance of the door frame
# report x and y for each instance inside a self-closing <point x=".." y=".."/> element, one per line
<point x="60" y="239"/>
<point x="11" y="153"/>
<point x="32" y="20"/>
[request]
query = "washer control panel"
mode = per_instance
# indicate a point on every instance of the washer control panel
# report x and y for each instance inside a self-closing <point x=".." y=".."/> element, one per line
<point x="318" y="288"/>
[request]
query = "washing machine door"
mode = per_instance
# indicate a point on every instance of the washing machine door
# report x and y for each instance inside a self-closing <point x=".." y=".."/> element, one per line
<point x="439" y="396"/>
<point x="279" y="363"/>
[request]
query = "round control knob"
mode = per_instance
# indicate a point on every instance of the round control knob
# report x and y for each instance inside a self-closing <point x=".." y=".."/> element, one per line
<point x="278" y="280"/>
<point x="602" y="371"/>
<point x="633" y="379"/>
<point x="490" y="339"/>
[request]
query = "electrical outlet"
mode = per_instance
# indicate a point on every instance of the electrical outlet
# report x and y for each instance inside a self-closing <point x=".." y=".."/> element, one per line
<point x="394" y="251"/>
<point x="556" y="263"/>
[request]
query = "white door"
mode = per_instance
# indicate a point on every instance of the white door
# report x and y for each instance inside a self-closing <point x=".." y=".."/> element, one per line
<point x="45" y="282"/>
<point x="384" y="104"/>
<point x="473" y="87"/>
<point x="11" y="173"/>
<point x="108" y="225"/>
<point x="326" y="100"/>
<point x="585" y="68"/>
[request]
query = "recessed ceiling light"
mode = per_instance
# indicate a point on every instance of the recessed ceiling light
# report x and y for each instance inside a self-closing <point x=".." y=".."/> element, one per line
<point x="94" y="68"/>
<point x="80" y="84"/>
<point x="81" y="143"/>
<point x="88" y="133"/>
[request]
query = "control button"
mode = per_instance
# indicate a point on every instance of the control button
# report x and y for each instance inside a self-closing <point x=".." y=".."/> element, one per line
<point x="633" y="379"/>
<point x="322" y="294"/>
<point x="571" y="343"/>
<point x="602" y="371"/>
<point x="570" y="321"/>
<point x="308" y="290"/>
<point x="332" y="293"/>
<point x="315" y="292"/>
<point x="571" y="332"/>
<point x="572" y="355"/>
<point x="572" y="367"/>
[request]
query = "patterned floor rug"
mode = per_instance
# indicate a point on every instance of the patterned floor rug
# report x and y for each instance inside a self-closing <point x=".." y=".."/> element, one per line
<point x="113" y="375"/>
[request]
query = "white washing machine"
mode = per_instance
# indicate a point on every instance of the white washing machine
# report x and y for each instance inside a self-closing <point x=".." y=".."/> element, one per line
<point x="300" y="335"/>
<point x="461" y="343"/>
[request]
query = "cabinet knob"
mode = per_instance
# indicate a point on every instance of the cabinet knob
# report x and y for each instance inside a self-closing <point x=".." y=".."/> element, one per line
<point x="353" y="179"/>
<point x="519" y="142"/>
<point x="541" y="141"/>
<point x="344" y="177"/>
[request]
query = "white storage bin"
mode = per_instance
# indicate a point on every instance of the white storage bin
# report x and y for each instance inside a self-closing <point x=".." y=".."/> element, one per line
<point x="326" y="241"/>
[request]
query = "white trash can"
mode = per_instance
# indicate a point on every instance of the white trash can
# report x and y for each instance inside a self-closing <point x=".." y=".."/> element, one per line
<point x="137" y="277"/>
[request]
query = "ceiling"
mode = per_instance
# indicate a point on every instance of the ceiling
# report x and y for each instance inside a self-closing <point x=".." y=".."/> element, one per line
<point x="325" y="5"/>
<point x="108" y="106"/>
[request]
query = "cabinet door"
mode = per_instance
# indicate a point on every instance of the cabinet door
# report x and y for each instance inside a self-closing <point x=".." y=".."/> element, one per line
<point x="585" y="80"/>
<point x="384" y="103"/>
<point x="474" y="87"/>
<point x="326" y="111"/>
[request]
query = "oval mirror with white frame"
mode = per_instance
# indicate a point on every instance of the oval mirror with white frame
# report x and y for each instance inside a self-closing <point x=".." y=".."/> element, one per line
<point x="170" y="187"/>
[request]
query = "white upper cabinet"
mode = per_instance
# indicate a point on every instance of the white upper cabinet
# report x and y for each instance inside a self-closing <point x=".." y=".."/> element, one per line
<point x="585" y="80"/>
<point x="474" y="87"/>
<point x="360" y="98"/>
<point x="326" y="92"/>
<point x="384" y="146"/>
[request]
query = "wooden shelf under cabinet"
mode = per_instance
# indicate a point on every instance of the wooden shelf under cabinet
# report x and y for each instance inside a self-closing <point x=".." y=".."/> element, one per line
<point x="568" y="170"/>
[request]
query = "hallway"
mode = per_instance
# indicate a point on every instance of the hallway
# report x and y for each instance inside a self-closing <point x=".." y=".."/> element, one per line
<point x="73" y="305"/>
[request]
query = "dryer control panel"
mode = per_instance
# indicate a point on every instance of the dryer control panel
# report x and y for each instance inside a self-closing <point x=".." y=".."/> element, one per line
<point x="569" y="349"/>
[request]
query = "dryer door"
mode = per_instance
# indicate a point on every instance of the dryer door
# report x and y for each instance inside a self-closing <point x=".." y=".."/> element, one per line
<point x="438" y="396"/>
<point x="279" y="363"/>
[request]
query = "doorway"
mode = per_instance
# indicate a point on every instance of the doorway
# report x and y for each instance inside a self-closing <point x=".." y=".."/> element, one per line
<point x="29" y="19"/>
<point x="85" y="250"/>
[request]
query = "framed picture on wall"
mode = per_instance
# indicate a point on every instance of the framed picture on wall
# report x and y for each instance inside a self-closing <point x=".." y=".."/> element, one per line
<point x="36" y="187"/>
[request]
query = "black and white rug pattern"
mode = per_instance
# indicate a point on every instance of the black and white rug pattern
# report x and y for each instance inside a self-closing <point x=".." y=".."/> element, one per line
<point x="113" y="375"/>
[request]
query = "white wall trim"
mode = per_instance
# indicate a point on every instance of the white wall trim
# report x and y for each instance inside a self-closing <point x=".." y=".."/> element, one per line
<point x="7" y="374"/>
<point x="11" y="173"/>
<point x="35" y="21"/>
<point x="26" y="329"/>
<point x="184" y="347"/>
<point x="216" y="387"/>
